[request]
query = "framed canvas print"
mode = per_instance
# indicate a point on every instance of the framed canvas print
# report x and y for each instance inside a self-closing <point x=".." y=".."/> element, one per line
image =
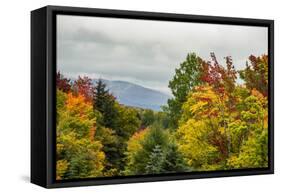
<point x="126" y="96"/>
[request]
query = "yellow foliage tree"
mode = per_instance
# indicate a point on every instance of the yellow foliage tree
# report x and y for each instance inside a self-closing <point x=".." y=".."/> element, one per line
<point x="133" y="146"/>
<point x="202" y="134"/>
<point x="79" y="155"/>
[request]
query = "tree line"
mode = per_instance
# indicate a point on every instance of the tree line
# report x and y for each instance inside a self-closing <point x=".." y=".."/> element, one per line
<point x="211" y="123"/>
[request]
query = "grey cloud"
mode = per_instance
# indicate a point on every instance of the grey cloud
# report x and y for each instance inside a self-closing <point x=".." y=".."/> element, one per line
<point x="147" y="52"/>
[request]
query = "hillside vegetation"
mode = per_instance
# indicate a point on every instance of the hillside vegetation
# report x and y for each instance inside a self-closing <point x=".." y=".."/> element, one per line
<point x="211" y="123"/>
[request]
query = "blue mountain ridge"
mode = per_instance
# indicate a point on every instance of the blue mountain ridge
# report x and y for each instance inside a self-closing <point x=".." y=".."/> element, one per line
<point x="134" y="95"/>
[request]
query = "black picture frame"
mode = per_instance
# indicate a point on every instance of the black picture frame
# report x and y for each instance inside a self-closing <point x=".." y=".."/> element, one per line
<point x="43" y="90"/>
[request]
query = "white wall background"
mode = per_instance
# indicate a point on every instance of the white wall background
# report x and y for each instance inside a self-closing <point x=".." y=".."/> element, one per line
<point x="15" y="95"/>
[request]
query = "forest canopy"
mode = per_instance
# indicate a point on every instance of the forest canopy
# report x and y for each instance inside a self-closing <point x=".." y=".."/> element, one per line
<point x="212" y="122"/>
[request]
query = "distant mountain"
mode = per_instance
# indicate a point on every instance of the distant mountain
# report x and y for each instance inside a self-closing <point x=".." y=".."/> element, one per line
<point x="135" y="95"/>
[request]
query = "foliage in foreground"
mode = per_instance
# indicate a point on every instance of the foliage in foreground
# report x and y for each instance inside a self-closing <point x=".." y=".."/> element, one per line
<point x="211" y="123"/>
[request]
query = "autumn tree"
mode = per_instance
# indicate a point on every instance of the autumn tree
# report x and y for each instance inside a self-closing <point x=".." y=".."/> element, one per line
<point x="62" y="83"/>
<point x="252" y="132"/>
<point x="208" y="124"/>
<point x="79" y="155"/>
<point x="84" y="86"/>
<point x="133" y="147"/>
<point x="223" y="82"/>
<point x="211" y="123"/>
<point x="201" y="134"/>
<point x="255" y="74"/>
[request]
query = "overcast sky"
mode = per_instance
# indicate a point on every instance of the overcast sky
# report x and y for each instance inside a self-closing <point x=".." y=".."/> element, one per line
<point x="147" y="52"/>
